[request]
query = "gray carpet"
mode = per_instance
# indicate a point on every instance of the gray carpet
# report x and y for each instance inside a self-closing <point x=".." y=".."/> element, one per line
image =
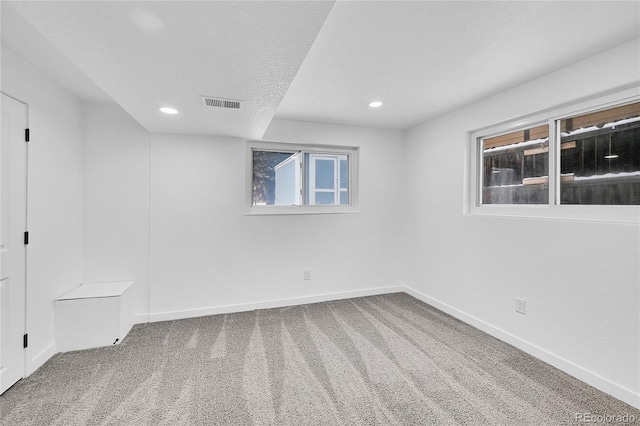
<point x="379" y="360"/>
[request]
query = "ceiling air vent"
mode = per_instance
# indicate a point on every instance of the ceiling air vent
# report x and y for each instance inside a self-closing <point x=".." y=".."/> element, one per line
<point x="222" y="103"/>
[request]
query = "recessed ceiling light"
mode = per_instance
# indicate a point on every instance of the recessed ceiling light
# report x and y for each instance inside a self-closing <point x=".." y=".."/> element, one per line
<point x="168" y="110"/>
<point x="375" y="104"/>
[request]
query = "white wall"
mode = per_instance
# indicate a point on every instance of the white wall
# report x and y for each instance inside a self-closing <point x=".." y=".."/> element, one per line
<point x="580" y="279"/>
<point x="55" y="197"/>
<point x="116" y="200"/>
<point x="168" y="211"/>
<point x="208" y="256"/>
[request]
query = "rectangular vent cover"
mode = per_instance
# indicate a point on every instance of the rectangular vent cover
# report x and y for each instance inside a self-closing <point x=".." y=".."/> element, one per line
<point x="222" y="103"/>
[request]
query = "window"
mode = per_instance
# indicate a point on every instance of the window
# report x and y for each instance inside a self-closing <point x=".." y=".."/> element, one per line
<point x="561" y="161"/>
<point x="301" y="179"/>
<point x="516" y="167"/>
<point x="601" y="164"/>
<point x="328" y="179"/>
<point x="270" y="167"/>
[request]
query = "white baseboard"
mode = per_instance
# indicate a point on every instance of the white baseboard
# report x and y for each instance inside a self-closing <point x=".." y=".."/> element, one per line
<point x="42" y="357"/>
<point x="279" y="303"/>
<point x="140" y="318"/>
<point x="567" y="366"/>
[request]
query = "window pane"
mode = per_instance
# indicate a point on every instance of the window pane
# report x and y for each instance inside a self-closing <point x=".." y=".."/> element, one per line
<point x="344" y="197"/>
<point x="516" y="167"/>
<point x="324" y="198"/>
<point x="327" y="178"/>
<point x="325" y="173"/>
<point x="344" y="173"/>
<point x="276" y="178"/>
<point x="287" y="186"/>
<point x="600" y="157"/>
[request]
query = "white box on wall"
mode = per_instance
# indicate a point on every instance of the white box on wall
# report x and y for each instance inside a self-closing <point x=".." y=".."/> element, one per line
<point x="94" y="315"/>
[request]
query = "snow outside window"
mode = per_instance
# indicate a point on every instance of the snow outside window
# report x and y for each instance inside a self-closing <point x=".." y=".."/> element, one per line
<point x="601" y="162"/>
<point x="516" y="167"/>
<point x="561" y="162"/>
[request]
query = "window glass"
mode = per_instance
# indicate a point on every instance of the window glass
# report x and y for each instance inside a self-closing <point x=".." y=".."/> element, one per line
<point x="275" y="178"/>
<point x="600" y="157"/>
<point x="324" y="198"/>
<point x="325" y="173"/>
<point x="344" y="197"/>
<point x="300" y="177"/>
<point x="327" y="179"/>
<point x="516" y="167"/>
<point x="287" y="182"/>
<point x="344" y="181"/>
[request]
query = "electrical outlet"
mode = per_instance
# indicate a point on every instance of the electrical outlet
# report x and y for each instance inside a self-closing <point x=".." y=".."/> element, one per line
<point x="307" y="274"/>
<point x="520" y="306"/>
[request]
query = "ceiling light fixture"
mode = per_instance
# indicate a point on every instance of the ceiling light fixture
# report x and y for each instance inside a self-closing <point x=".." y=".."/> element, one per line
<point x="610" y="157"/>
<point x="375" y="104"/>
<point x="168" y="110"/>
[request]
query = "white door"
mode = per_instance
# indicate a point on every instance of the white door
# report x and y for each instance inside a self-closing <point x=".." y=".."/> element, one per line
<point x="13" y="218"/>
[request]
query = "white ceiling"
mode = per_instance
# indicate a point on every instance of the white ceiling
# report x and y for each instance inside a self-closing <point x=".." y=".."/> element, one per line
<point x="169" y="53"/>
<point x="19" y="36"/>
<point x="423" y="59"/>
<point x="312" y="61"/>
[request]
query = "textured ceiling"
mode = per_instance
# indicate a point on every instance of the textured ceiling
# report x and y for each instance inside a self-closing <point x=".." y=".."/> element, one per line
<point x="20" y="37"/>
<point x="427" y="58"/>
<point x="312" y="61"/>
<point x="148" y="54"/>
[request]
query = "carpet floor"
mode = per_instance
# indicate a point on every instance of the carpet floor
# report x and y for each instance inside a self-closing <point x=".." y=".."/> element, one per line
<point x="377" y="360"/>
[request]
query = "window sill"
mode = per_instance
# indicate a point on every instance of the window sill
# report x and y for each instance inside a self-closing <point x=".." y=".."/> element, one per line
<point x="628" y="215"/>
<point x="299" y="210"/>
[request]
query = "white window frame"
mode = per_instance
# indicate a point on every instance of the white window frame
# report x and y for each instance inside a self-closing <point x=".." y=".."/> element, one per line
<point x="552" y="210"/>
<point x="303" y="149"/>
<point x="337" y="189"/>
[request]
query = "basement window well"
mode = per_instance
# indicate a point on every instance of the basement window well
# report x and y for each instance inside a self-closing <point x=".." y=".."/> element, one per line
<point x="301" y="179"/>
<point x="578" y="162"/>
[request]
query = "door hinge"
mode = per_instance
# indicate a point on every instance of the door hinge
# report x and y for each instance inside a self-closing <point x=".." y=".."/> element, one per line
<point x="26" y="135"/>
<point x="26" y="238"/>
<point x="25" y="340"/>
